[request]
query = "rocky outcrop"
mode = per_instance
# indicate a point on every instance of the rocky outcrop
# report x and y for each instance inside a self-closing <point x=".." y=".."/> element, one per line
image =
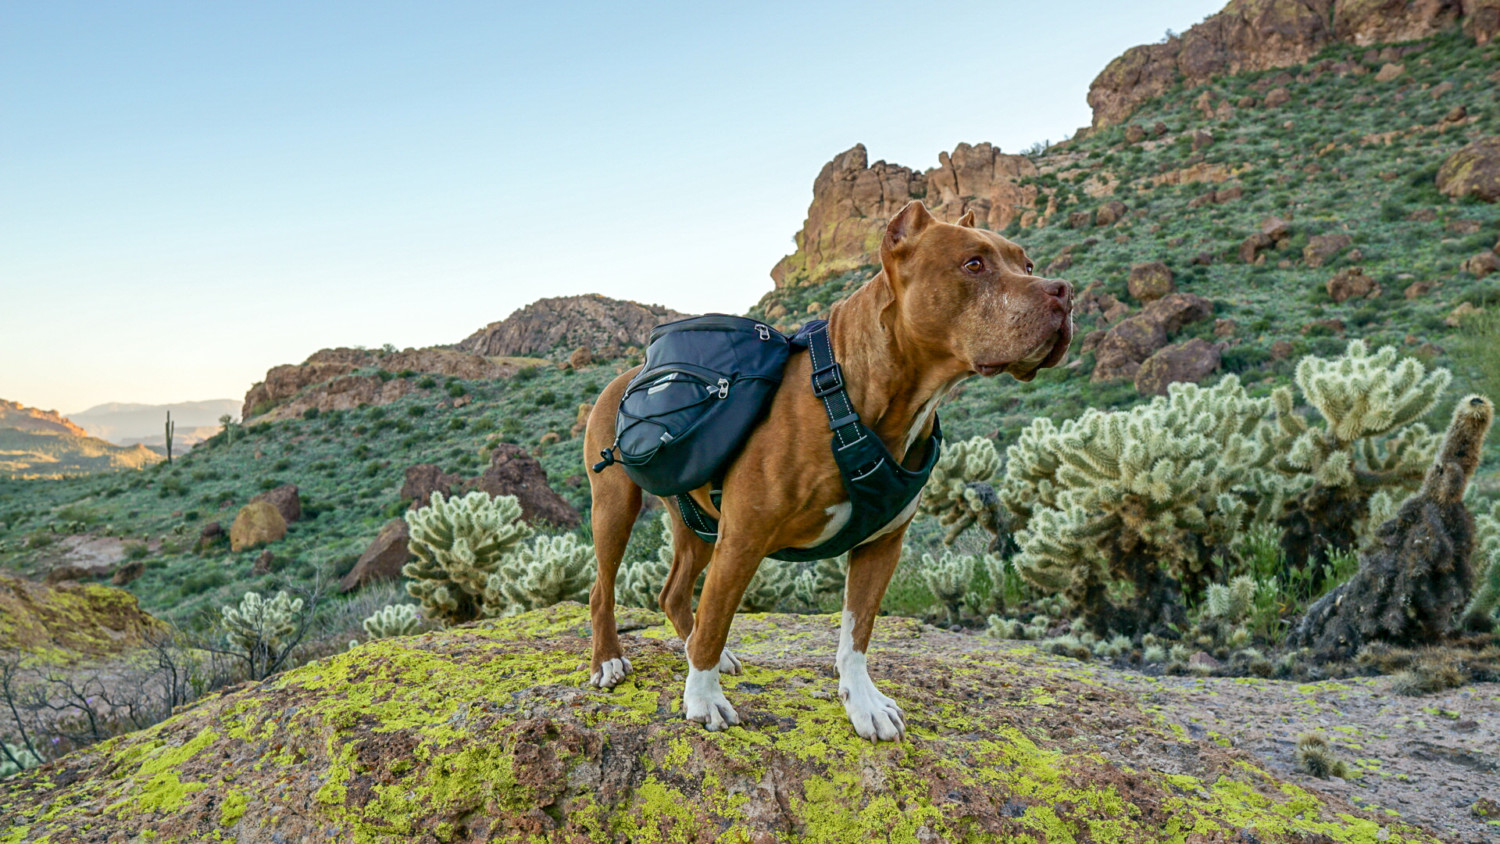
<point x="513" y="471"/>
<point x="257" y="523"/>
<point x="1475" y="169"/>
<point x="561" y="324"/>
<point x="1191" y="361"/>
<point x="423" y="480"/>
<point x="70" y="620"/>
<point x="853" y="200"/>
<point x="1120" y="352"/>
<point x="22" y="418"/>
<point x="1253" y="35"/>
<point x="281" y="395"/>
<point x="489" y="732"/>
<point x="1150" y="281"/>
<point x="1351" y="283"/>
<point x="383" y="559"/>
<point x="286" y="501"/>
<point x="1322" y="248"/>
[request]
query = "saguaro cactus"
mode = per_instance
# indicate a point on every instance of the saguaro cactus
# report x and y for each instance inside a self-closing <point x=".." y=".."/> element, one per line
<point x="1410" y="587"/>
<point x="170" y="427"/>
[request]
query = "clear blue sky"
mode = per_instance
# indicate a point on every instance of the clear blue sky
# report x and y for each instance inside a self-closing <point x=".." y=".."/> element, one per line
<point x="191" y="193"/>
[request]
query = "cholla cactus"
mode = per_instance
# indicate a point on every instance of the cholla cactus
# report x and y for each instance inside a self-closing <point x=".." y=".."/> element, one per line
<point x="820" y="581"/>
<point x="459" y="543"/>
<point x="550" y="570"/>
<point x="1478" y="615"/>
<point x="1153" y="495"/>
<point x="14" y="759"/>
<point x="949" y="578"/>
<point x="262" y="631"/>
<point x="393" y="620"/>
<point x="1370" y="440"/>
<point x="774" y="582"/>
<point x="1231" y="603"/>
<point x="959" y="494"/>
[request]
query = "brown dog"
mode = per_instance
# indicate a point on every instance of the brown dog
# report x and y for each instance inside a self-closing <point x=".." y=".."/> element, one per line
<point x="950" y="301"/>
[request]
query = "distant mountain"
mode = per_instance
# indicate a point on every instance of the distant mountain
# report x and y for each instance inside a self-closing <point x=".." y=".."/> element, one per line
<point x="44" y="444"/>
<point x="131" y="424"/>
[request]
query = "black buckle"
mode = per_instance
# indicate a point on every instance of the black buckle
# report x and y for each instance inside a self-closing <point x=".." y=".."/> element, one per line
<point x="838" y="380"/>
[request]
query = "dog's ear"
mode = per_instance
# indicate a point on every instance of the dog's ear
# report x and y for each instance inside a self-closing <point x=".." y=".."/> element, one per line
<point x="967" y="220"/>
<point x="906" y="225"/>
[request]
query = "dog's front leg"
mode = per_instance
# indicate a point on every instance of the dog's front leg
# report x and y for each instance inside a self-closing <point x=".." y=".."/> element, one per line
<point x="875" y="716"/>
<point x="728" y="574"/>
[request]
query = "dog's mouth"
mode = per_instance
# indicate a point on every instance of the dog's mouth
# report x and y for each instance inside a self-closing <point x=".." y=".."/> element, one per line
<point x="1049" y="352"/>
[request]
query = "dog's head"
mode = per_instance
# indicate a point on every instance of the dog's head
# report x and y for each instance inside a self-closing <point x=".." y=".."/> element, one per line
<point x="971" y="295"/>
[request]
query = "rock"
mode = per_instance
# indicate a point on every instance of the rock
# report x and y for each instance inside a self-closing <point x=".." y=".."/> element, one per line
<point x="1422" y="215"/>
<point x="1251" y="246"/>
<point x="568" y="322"/>
<point x="1204" y="259"/>
<point x="1080" y="220"/>
<point x="1225" y="328"/>
<point x="1322" y="248"/>
<point x="1277" y="97"/>
<point x="1134" y="134"/>
<point x="383" y="559"/>
<point x="1351" y="283"/>
<point x="1389" y="72"/>
<point x="1120" y="352"/>
<point x="1191" y="361"/>
<point x="264" y="564"/>
<point x="1275" y="229"/>
<point x="286" y="501"/>
<point x="1110" y="213"/>
<point x="1202" y="139"/>
<point x="1482" y="20"/>
<point x="76" y="620"/>
<point x="581" y="357"/>
<point x="1367" y="22"/>
<point x="1482" y="264"/>
<point x="209" y="535"/>
<point x="853" y="200"/>
<point x="1474" y="169"/>
<point x="1456" y="317"/>
<point x="128" y="572"/>
<point x="1462" y="226"/>
<point x="324" y="380"/>
<point x="1093" y="301"/>
<point x="1175" y="310"/>
<point x="581" y="421"/>
<point x="1150" y="281"/>
<point x="549" y="438"/>
<point x="514" y="472"/>
<point x="1228" y="194"/>
<point x="257" y="523"/>
<point x="422" y="480"/>
<point x="1326" y="326"/>
<point x="1158" y="129"/>
<point x="1457" y="114"/>
<point x="69" y="573"/>
<point x="1418" y="289"/>
<point x="486" y="733"/>
<point x="1281" y="350"/>
<point x="1204" y="661"/>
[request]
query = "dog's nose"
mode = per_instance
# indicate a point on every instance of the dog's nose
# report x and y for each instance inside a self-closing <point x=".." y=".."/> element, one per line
<point x="1060" y="291"/>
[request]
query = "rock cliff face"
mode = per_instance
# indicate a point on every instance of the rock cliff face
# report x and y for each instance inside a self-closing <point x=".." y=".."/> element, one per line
<point x="853" y="200"/>
<point x="22" y="418"/>
<point x="565" y="323"/>
<point x="488" y="732"/>
<point x="342" y="391"/>
<point x="1250" y="35"/>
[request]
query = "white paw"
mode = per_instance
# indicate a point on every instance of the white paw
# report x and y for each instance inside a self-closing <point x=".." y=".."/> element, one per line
<point x="703" y="701"/>
<point x="874" y="716"/>
<point x="610" y="673"/>
<point x="729" y="663"/>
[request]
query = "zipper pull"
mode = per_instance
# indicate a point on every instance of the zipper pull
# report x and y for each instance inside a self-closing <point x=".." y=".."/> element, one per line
<point x="764" y="332"/>
<point x="723" y="388"/>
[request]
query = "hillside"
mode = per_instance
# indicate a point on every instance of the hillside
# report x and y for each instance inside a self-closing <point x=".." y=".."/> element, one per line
<point x="129" y="424"/>
<point x="43" y="444"/>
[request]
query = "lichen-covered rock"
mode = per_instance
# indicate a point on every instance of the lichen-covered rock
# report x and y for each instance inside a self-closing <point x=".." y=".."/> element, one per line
<point x="1351" y="283"/>
<point x="257" y="523"/>
<point x="489" y="732"/>
<point x="69" y="621"/>
<point x="1322" y="248"/>
<point x="1150" y="281"/>
<point x="286" y="501"/>
<point x="1475" y="169"/>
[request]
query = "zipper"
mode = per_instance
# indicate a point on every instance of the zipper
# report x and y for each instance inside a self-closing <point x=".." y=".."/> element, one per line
<point x="723" y="388"/>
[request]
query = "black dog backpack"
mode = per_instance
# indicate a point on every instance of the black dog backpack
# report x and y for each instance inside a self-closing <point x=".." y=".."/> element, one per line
<point x="707" y="383"/>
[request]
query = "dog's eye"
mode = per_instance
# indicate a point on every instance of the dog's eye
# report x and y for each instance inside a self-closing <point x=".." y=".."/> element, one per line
<point x="1029" y="268"/>
<point x="974" y="265"/>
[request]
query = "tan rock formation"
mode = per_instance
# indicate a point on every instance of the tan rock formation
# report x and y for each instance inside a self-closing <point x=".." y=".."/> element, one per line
<point x="604" y="325"/>
<point x="853" y="200"/>
<point x="1475" y="169"/>
<point x="257" y="523"/>
<point x="22" y="418"/>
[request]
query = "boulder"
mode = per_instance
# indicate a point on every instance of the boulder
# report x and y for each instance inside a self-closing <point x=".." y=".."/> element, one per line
<point x="1418" y="289"/>
<point x="1121" y="350"/>
<point x="383" y="559"/>
<point x="1322" y="248"/>
<point x="1251" y="247"/>
<point x="1202" y="139"/>
<point x="1390" y="72"/>
<point x="1110" y="213"/>
<point x="423" y="480"/>
<point x="1276" y="229"/>
<point x="1482" y="264"/>
<point x="264" y="564"/>
<point x="581" y="357"/>
<point x="1277" y="97"/>
<point x="128" y="572"/>
<point x="1475" y="170"/>
<point x="1150" y="281"/>
<point x="1352" y="283"/>
<point x="1281" y="350"/>
<point x="69" y="573"/>
<point x="286" y="501"/>
<point x="1191" y="361"/>
<point x="489" y="732"/>
<point x="1457" y="316"/>
<point x="514" y="472"/>
<point x="581" y="421"/>
<point x="1134" y="134"/>
<point x="1175" y="310"/>
<point x="257" y="523"/>
<point x="209" y="535"/>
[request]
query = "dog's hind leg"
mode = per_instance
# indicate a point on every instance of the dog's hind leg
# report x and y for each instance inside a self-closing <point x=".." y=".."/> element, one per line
<point x="690" y="556"/>
<point x="875" y="716"/>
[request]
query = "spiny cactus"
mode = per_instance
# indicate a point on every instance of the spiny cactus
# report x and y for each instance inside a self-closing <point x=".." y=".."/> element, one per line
<point x="1155" y="496"/>
<point x="549" y="570"/>
<point x="1415" y="580"/>
<point x="262" y="630"/>
<point x="1231" y="603"/>
<point x="1370" y="440"/>
<point x="15" y="758"/>
<point x="949" y="578"/>
<point x="1479" y="614"/>
<point x="774" y="583"/>
<point x="459" y="543"/>
<point x="820" y="581"/>
<point x="959" y="494"/>
<point x="393" y="620"/>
